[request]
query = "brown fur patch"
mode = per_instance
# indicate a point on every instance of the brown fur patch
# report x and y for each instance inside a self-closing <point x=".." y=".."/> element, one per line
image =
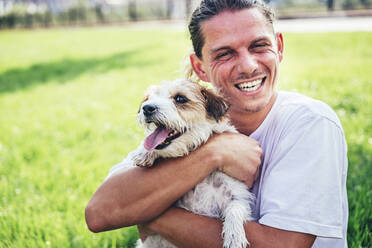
<point x="144" y="100"/>
<point x="189" y="111"/>
<point x="215" y="104"/>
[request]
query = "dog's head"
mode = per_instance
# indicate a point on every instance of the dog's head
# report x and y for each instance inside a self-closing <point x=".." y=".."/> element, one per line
<point x="178" y="112"/>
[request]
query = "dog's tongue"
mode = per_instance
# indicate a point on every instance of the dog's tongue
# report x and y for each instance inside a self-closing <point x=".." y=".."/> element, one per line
<point x="156" y="138"/>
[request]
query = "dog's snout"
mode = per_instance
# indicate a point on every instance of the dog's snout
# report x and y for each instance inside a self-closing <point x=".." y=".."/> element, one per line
<point x="149" y="109"/>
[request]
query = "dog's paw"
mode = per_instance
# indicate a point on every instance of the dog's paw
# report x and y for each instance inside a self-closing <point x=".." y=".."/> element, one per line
<point x="234" y="237"/>
<point x="233" y="231"/>
<point x="143" y="159"/>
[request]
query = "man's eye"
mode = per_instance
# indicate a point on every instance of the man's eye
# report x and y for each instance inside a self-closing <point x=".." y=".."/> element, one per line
<point x="223" y="55"/>
<point x="180" y="99"/>
<point x="260" y="46"/>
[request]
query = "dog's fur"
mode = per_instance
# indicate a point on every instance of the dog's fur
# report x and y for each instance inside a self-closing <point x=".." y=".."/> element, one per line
<point x="196" y="119"/>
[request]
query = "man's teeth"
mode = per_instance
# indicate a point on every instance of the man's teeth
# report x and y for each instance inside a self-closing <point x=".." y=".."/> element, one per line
<point x="250" y="86"/>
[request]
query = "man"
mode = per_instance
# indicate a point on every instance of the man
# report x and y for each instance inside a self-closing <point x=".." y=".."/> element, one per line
<point x="301" y="185"/>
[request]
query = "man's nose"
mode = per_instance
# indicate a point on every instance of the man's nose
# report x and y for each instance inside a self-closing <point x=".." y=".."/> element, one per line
<point x="247" y="63"/>
<point x="149" y="109"/>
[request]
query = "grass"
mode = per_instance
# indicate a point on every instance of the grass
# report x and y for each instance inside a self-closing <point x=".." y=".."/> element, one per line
<point x="68" y="101"/>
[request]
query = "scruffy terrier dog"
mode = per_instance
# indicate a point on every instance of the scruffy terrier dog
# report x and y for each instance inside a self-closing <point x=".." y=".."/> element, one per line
<point x="180" y="116"/>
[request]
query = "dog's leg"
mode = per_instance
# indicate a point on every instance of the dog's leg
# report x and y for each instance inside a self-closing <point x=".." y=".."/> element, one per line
<point x="236" y="214"/>
<point x="155" y="241"/>
<point x="139" y="244"/>
<point x="143" y="157"/>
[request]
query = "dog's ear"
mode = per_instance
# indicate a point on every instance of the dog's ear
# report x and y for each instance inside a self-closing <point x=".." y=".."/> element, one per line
<point x="216" y="106"/>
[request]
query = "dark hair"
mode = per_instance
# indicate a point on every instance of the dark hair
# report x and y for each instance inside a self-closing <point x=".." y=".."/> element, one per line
<point x="209" y="8"/>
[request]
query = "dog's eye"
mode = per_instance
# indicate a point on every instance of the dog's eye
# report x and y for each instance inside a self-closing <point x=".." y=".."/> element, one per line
<point x="180" y="99"/>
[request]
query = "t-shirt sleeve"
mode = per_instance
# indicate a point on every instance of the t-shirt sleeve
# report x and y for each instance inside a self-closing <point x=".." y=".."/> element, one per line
<point x="302" y="187"/>
<point x="123" y="165"/>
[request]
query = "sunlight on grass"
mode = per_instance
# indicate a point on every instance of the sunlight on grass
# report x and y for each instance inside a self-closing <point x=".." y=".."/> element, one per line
<point x="69" y="98"/>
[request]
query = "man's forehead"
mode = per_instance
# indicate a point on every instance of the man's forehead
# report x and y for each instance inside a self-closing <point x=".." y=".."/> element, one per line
<point x="225" y="27"/>
<point x="232" y="17"/>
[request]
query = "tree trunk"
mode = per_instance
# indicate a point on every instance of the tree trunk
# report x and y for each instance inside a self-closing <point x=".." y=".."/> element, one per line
<point x="188" y="8"/>
<point x="132" y="10"/>
<point x="331" y="5"/>
<point x="170" y="5"/>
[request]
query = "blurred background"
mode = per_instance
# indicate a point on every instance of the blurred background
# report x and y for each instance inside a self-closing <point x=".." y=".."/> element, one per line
<point x="51" y="13"/>
<point x="73" y="73"/>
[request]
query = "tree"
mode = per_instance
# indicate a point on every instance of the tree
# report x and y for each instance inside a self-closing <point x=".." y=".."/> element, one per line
<point x="170" y="5"/>
<point x="188" y="7"/>
<point x="132" y="10"/>
<point x="331" y="5"/>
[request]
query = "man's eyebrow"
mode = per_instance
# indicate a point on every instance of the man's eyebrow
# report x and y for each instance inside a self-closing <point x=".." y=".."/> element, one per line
<point x="263" y="38"/>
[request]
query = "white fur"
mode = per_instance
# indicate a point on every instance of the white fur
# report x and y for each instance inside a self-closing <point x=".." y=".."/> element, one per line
<point x="218" y="195"/>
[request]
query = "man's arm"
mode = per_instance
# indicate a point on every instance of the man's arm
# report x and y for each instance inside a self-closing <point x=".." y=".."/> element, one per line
<point x="138" y="195"/>
<point x="186" y="229"/>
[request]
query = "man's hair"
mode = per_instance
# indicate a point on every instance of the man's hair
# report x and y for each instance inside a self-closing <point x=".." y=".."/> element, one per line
<point x="210" y="8"/>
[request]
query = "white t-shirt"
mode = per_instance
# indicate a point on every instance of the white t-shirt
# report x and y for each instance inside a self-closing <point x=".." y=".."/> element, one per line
<point x="302" y="185"/>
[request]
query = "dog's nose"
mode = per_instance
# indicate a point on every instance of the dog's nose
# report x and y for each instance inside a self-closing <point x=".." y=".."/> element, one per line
<point x="149" y="109"/>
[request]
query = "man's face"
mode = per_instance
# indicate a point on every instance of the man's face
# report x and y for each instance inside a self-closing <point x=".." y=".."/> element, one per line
<point x="241" y="57"/>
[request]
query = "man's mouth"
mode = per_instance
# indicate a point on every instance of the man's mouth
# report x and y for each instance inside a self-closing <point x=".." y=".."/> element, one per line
<point x="160" y="138"/>
<point x="250" y="86"/>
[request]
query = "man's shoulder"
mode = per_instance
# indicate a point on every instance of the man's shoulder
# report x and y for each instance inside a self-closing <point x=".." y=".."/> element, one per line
<point x="295" y="105"/>
<point x="294" y="112"/>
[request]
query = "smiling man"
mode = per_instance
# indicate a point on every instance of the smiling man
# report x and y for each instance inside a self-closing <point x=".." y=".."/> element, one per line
<point x="298" y="141"/>
<point x="241" y="56"/>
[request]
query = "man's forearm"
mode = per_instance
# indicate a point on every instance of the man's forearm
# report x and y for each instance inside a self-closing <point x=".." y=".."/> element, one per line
<point x="140" y="194"/>
<point x="185" y="229"/>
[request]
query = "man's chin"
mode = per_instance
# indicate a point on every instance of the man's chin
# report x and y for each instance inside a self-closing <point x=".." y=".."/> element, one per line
<point x="257" y="107"/>
<point x="254" y="110"/>
<point x="264" y="105"/>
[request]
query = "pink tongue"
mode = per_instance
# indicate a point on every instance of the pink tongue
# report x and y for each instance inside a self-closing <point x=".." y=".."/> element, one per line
<point x="156" y="138"/>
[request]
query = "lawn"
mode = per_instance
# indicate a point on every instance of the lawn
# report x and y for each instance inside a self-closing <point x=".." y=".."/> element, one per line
<point x="68" y="102"/>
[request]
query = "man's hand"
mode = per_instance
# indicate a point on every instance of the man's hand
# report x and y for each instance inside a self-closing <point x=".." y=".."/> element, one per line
<point x="139" y="195"/>
<point x="239" y="156"/>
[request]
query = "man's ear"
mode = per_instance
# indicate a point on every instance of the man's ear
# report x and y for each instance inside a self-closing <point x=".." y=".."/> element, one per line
<point x="197" y="66"/>
<point x="215" y="105"/>
<point x="280" y="45"/>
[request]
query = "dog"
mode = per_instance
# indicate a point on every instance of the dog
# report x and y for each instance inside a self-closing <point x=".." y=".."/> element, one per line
<point x="180" y="116"/>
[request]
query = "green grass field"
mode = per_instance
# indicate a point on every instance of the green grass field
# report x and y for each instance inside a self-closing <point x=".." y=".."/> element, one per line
<point x="68" y="102"/>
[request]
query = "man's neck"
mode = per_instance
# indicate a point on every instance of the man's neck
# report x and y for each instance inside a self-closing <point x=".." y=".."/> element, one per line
<point x="246" y="123"/>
